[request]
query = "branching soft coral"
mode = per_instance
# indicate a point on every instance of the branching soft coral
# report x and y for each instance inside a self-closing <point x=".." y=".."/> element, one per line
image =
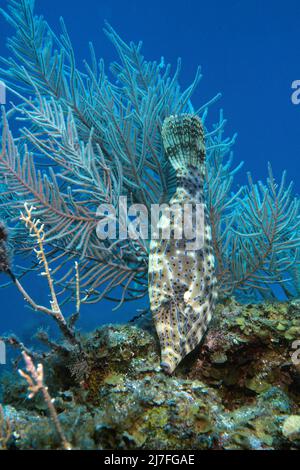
<point x="102" y="138"/>
<point x="257" y="240"/>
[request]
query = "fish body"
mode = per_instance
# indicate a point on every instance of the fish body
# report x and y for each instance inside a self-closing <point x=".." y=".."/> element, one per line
<point x="182" y="282"/>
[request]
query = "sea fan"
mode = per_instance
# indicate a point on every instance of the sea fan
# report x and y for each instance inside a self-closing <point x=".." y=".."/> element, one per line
<point x="102" y="139"/>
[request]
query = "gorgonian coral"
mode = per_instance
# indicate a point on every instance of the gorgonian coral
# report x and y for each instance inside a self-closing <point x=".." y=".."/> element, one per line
<point x="89" y="137"/>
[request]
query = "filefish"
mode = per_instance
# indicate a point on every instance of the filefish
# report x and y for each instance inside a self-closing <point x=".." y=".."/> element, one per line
<point x="182" y="281"/>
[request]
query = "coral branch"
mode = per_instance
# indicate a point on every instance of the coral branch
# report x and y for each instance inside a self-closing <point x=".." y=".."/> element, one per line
<point x="35" y="383"/>
<point x="36" y="230"/>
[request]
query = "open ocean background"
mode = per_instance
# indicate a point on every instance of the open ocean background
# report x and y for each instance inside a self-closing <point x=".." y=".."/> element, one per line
<point x="249" y="51"/>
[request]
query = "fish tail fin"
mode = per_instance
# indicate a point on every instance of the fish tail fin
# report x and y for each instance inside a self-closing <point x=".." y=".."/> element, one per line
<point x="183" y="139"/>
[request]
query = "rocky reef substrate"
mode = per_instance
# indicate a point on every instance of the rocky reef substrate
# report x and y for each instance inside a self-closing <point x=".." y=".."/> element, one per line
<point x="239" y="390"/>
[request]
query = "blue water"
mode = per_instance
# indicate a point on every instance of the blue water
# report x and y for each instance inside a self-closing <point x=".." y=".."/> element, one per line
<point x="249" y="50"/>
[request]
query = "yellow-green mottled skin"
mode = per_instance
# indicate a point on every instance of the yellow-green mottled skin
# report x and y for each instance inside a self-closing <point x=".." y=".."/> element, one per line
<point x="182" y="282"/>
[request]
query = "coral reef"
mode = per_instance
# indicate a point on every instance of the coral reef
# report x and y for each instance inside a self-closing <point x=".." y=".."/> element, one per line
<point x="102" y="138"/>
<point x="239" y="391"/>
<point x="5" y="430"/>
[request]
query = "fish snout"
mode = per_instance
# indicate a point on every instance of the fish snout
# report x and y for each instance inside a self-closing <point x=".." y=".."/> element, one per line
<point x="166" y="368"/>
<point x="169" y="360"/>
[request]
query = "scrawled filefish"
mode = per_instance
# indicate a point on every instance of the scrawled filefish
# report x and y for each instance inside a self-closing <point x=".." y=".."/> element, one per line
<point x="182" y="282"/>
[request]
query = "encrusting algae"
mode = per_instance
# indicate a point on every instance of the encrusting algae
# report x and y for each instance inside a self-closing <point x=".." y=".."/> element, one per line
<point x="207" y="404"/>
<point x="182" y="282"/>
